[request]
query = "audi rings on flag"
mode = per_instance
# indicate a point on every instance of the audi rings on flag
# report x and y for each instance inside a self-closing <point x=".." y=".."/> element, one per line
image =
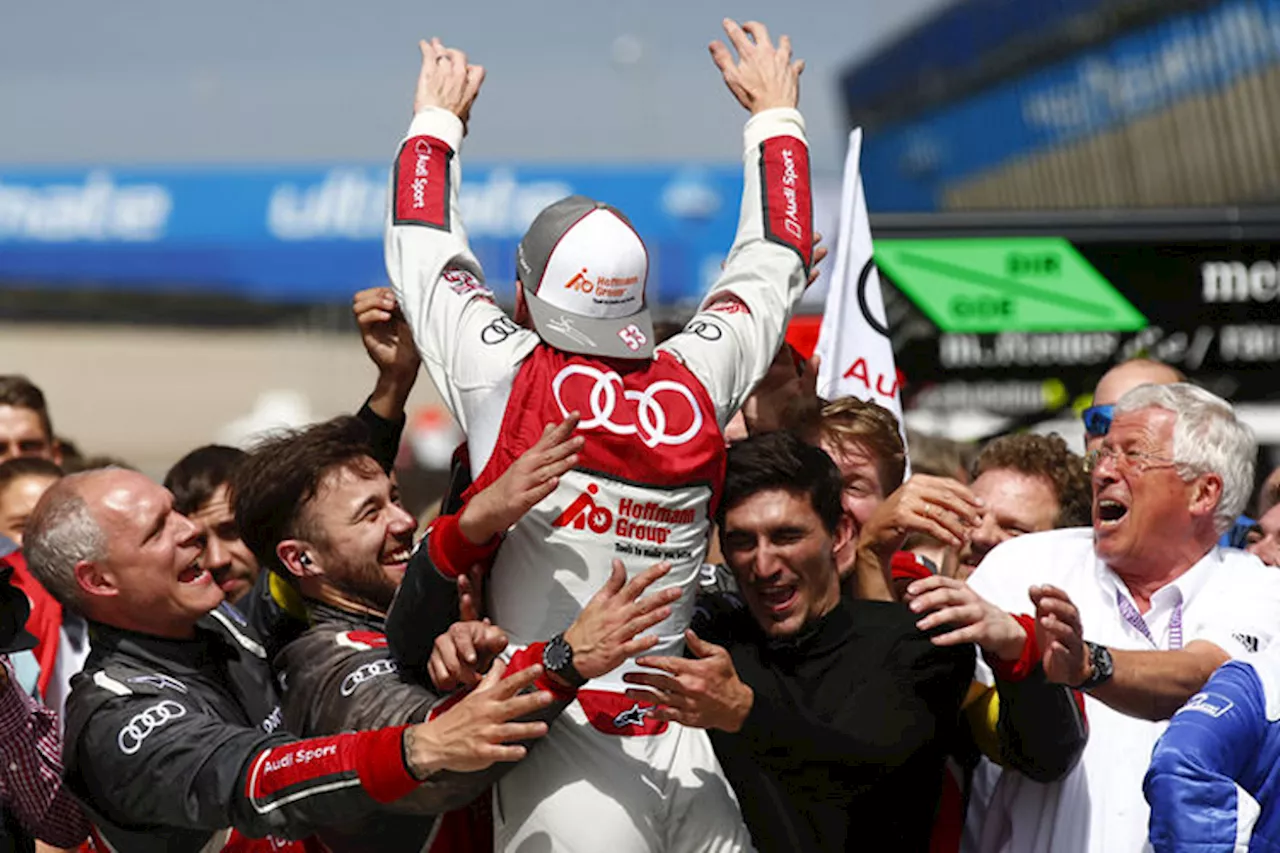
<point x="141" y="725"/>
<point x="652" y="416"/>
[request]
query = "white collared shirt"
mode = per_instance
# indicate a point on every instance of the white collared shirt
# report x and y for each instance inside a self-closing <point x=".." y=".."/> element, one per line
<point x="1228" y="598"/>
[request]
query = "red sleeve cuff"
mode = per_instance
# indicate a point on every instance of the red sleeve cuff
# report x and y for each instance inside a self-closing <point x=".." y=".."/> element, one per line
<point x="454" y="554"/>
<point x="1017" y="670"/>
<point x="313" y="765"/>
<point x="531" y="655"/>
<point x="382" y="765"/>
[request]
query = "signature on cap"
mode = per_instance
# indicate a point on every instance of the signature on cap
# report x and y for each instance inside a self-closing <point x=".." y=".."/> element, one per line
<point x="564" y="326"/>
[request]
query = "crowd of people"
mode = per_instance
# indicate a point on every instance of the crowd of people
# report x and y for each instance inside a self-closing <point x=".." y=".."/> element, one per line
<point x="672" y="601"/>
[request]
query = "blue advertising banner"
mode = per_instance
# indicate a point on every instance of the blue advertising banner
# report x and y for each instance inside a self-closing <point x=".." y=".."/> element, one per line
<point x="315" y="234"/>
<point x="907" y="167"/>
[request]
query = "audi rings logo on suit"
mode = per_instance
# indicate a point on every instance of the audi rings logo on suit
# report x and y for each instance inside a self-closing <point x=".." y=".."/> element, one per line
<point x="652" y="417"/>
<point x="498" y="331"/>
<point x="372" y="669"/>
<point x="140" y="726"/>
<point x="706" y="330"/>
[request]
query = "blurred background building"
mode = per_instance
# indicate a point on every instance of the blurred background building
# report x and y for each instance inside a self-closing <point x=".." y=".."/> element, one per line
<point x="1058" y="185"/>
<point x="1049" y="104"/>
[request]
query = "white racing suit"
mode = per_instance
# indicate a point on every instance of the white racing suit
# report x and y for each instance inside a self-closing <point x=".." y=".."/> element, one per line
<point x="608" y="776"/>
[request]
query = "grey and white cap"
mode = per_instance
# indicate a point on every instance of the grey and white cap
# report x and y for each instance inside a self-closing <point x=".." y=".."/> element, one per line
<point x="583" y="270"/>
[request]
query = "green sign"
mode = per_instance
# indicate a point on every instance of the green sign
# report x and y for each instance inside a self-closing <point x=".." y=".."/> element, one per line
<point x="1006" y="284"/>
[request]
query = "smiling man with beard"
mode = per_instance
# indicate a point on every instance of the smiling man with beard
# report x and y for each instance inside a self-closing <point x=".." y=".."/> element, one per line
<point x="318" y="509"/>
<point x="1161" y="603"/>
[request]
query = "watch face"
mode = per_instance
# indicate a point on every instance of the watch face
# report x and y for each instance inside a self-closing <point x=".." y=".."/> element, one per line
<point x="1102" y="662"/>
<point x="556" y="654"/>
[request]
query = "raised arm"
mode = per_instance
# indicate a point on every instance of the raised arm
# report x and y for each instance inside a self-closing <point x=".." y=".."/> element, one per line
<point x="389" y="343"/>
<point x="469" y="346"/>
<point x="731" y="341"/>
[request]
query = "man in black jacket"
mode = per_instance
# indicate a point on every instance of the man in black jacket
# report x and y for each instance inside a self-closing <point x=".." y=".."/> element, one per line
<point x="173" y="736"/>
<point x="831" y="716"/>
<point x="316" y="506"/>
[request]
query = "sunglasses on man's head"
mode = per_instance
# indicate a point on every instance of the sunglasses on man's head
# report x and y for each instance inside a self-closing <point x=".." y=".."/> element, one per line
<point x="1097" y="420"/>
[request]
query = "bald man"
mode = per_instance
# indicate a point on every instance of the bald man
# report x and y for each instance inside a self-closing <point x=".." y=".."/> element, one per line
<point x="1117" y="382"/>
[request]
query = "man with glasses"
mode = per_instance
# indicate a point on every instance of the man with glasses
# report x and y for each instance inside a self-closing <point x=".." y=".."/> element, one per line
<point x="1117" y="382"/>
<point x="1161" y="604"/>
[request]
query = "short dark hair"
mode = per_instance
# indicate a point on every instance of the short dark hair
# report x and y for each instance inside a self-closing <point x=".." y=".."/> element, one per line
<point x="273" y="484"/>
<point x="1049" y="458"/>
<point x="782" y="460"/>
<point x="27" y="466"/>
<point x="195" y="477"/>
<point x="21" y="393"/>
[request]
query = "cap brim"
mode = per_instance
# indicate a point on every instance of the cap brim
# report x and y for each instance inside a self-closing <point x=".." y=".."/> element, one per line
<point x="570" y="332"/>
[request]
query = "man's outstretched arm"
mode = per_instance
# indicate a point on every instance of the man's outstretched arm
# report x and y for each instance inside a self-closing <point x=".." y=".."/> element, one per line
<point x="731" y="341"/>
<point x="470" y="347"/>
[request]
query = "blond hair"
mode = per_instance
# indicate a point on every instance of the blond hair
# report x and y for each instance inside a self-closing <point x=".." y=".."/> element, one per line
<point x="852" y="423"/>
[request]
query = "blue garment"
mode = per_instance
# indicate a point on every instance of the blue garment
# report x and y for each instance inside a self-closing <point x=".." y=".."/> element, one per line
<point x="1214" y="780"/>
<point x="7" y="546"/>
<point x="1237" y="535"/>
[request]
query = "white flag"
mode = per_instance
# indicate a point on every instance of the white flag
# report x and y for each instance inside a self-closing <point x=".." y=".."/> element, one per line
<point x="857" y="356"/>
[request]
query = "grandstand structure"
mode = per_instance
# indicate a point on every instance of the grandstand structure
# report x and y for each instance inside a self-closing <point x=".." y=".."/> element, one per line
<point x="1070" y="104"/>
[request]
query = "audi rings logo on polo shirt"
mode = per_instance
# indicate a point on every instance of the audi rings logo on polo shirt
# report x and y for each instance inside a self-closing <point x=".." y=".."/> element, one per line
<point x="707" y="331"/>
<point x="498" y="331"/>
<point x="141" y="725"/>
<point x="665" y="412"/>
<point x="373" y="669"/>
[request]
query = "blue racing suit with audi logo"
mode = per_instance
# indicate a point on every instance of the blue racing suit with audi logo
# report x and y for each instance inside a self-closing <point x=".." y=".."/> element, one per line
<point x="609" y="776"/>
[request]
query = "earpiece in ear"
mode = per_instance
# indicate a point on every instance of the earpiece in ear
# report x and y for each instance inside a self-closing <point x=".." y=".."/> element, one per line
<point x="305" y="559"/>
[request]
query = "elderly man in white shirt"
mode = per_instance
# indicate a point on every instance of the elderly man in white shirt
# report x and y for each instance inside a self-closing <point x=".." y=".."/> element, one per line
<point x="1159" y="606"/>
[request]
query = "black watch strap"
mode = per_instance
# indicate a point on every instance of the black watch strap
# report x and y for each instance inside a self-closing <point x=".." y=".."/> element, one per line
<point x="557" y="659"/>
<point x="1103" y="667"/>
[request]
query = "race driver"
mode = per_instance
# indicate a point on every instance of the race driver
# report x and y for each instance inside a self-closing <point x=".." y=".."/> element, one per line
<point x="610" y="776"/>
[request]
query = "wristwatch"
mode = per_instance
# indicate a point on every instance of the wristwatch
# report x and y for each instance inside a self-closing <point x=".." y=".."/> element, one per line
<point x="1103" y="667"/>
<point x="557" y="659"/>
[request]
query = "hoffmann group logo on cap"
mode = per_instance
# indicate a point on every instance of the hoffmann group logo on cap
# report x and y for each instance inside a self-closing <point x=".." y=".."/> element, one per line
<point x="604" y="289"/>
<point x="600" y="265"/>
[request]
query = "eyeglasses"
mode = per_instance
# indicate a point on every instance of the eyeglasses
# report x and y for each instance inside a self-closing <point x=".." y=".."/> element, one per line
<point x="1097" y="420"/>
<point x="1131" y="460"/>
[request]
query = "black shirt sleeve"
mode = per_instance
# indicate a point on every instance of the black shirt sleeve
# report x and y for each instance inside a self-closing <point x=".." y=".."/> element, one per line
<point x="424" y="607"/>
<point x="1041" y="729"/>
<point x="384" y="435"/>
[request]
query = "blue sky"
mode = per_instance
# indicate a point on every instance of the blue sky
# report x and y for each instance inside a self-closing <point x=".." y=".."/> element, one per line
<point x="154" y="81"/>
